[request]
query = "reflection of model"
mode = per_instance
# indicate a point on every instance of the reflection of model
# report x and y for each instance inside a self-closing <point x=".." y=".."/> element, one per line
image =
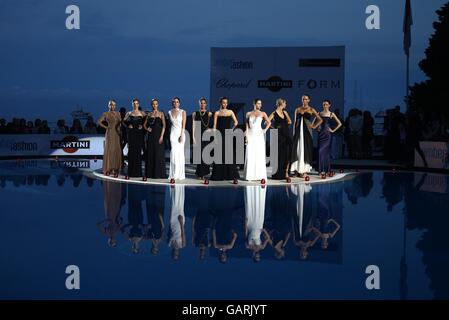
<point x="224" y="120"/>
<point x="154" y="230"/>
<point x="112" y="193"/>
<point x="134" y="230"/>
<point x="202" y="222"/>
<point x="134" y="120"/>
<point x="279" y="221"/>
<point x="305" y="235"/>
<point x="202" y="120"/>
<point x="112" y="158"/>
<point x="177" y="140"/>
<point x="325" y="138"/>
<point x="177" y="237"/>
<point x="254" y="220"/>
<point x="326" y="225"/>
<point x="155" y="157"/>
<point x="255" y="167"/>
<point x="302" y="152"/>
<point x="280" y="120"/>
<point x="223" y="233"/>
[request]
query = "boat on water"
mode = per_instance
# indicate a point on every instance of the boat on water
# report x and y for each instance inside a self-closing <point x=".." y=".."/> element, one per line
<point x="80" y="114"/>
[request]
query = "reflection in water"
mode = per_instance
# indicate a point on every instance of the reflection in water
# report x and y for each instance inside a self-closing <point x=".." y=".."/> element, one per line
<point x="177" y="236"/>
<point x="359" y="186"/>
<point x="254" y="220"/>
<point x="111" y="225"/>
<point x="134" y="229"/>
<point x="427" y="211"/>
<point x="154" y="229"/>
<point x="202" y="221"/>
<point x="279" y="219"/>
<point x="325" y="222"/>
<point x="221" y="216"/>
<point x="304" y="233"/>
<point x="224" y="208"/>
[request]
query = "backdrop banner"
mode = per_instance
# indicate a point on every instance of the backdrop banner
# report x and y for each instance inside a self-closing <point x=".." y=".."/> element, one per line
<point x="51" y="145"/>
<point x="268" y="73"/>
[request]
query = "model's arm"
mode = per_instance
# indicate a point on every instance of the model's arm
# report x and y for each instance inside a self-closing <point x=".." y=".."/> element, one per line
<point x="339" y="124"/>
<point x="145" y="124"/>
<point x="336" y="229"/>
<point x="215" y="119"/>
<point x="235" y="119"/>
<point x="181" y="137"/>
<point x="234" y="237"/>
<point x="318" y="118"/>
<point x="267" y="121"/>
<point x="161" y="138"/>
<point x="294" y="123"/>
<point x="289" y="120"/>
<point x="100" y="121"/>
<point x="271" y="116"/>
<point x="193" y="128"/>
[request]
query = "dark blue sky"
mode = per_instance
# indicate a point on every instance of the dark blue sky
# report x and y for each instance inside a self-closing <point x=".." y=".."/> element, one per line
<point x="161" y="48"/>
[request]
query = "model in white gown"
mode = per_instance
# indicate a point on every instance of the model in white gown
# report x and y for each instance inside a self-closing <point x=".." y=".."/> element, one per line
<point x="177" y="217"/>
<point x="177" y="158"/>
<point x="257" y="236"/>
<point x="255" y="164"/>
<point x="255" y="213"/>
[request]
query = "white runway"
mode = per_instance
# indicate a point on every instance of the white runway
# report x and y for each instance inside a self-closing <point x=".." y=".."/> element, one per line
<point x="192" y="180"/>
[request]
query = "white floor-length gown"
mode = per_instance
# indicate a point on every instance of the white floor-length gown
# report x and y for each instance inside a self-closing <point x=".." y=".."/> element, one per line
<point x="177" y="197"/>
<point x="177" y="157"/>
<point x="255" y="213"/>
<point x="255" y="167"/>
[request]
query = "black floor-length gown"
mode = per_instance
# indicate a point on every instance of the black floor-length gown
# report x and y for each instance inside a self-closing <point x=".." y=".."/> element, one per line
<point x="284" y="145"/>
<point x="306" y="148"/>
<point x="224" y="171"/>
<point x="206" y="122"/>
<point x="155" y="157"/>
<point x="135" y="145"/>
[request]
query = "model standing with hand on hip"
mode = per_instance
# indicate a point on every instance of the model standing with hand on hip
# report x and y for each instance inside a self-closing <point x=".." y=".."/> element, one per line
<point x="155" y="157"/>
<point x="113" y="157"/>
<point x="280" y="120"/>
<point x="134" y="120"/>
<point x="325" y="137"/>
<point x="302" y="152"/>
<point x="202" y="120"/>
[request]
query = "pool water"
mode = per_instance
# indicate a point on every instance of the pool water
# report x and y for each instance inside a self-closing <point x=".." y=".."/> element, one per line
<point x="134" y="241"/>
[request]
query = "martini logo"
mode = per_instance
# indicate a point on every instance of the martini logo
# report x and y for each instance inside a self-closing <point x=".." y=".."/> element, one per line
<point x="274" y="83"/>
<point x="70" y="164"/>
<point x="70" y="144"/>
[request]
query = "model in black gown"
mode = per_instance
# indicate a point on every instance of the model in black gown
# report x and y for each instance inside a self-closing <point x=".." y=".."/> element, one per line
<point x="155" y="157"/>
<point x="224" y="119"/>
<point x="302" y="151"/>
<point x="134" y="120"/>
<point x="281" y="123"/>
<point x="204" y="121"/>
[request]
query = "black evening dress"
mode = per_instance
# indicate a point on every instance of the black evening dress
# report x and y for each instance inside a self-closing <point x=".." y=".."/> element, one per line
<point x="206" y="122"/>
<point x="135" y="145"/>
<point x="155" y="159"/>
<point x="284" y="145"/>
<point x="224" y="171"/>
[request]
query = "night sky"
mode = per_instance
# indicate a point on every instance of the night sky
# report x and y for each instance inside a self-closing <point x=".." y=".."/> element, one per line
<point x="161" y="48"/>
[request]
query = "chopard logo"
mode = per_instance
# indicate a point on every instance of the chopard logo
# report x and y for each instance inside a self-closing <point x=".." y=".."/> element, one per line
<point x="224" y="83"/>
